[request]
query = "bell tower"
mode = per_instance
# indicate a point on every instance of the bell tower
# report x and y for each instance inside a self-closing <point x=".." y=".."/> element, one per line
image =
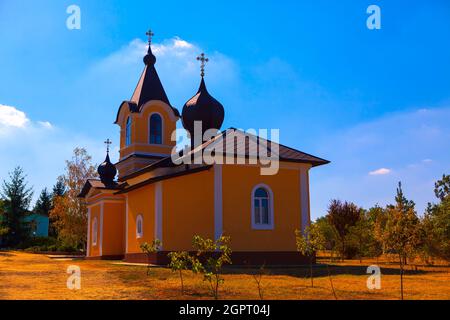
<point x="146" y="121"/>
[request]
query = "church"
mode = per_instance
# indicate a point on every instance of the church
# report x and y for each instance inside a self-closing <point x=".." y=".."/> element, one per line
<point x="154" y="192"/>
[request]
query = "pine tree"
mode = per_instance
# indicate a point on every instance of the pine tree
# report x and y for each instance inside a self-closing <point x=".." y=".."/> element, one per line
<point x="17" y="197"/>
<point x="43" y="204"/>
<point x="402" y="233"/>
<point x="59" y="189"/>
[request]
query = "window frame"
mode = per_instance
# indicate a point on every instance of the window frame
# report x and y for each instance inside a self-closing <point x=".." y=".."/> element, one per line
<point x="271" y="215"/>
<point x="139" y="218"/>
<point x="94" y="231"/>
<point x="128" y="125"/>
<point x="150" y="129"/>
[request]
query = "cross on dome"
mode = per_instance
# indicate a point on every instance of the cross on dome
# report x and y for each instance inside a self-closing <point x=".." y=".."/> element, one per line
<point x="203" y="60"/>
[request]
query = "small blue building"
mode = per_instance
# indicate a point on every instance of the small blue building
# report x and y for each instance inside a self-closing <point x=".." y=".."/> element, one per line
<point x="39" y="225"/>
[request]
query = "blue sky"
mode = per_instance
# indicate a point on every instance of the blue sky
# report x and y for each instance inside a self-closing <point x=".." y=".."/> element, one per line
<point x="365" y="99"/>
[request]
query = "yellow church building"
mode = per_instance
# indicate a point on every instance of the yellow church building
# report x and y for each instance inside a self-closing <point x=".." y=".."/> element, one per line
<point x="160" y="195"/>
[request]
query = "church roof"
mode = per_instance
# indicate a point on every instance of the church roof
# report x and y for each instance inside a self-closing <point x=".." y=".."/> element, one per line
<point x="246" y="150"/>
<point x="97" y="184"/>
<point x="149" y="87"/>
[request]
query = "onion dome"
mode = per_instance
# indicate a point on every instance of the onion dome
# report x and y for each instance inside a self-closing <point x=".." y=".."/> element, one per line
<point x="107" y="171"/>
<point x="202" y="107"/>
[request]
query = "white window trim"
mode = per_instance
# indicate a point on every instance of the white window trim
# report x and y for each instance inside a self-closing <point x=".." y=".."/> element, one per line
<point x="271" y="225"/>
<point x="94" y="231"/>
<point x="139" y="235"/>
<point x="162" y="129"/>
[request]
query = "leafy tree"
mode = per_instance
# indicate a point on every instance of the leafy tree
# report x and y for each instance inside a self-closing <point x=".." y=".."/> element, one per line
<point x="308" y="243"/>
<point x="44" y="203"/>
<point x="69" y="212"/>
<point x="328" y="231"/>
<point x="17" y="197"/>
<point x="436" y="223"/>
<point x="209" y="260"/>
<point x="362" y="236"/>
<point x="179" y="261"/>
<point x="59" y="190"/>
<point x="402" y="234"/>
<point x="342" y="216"/>
<point x="150" y="249"/>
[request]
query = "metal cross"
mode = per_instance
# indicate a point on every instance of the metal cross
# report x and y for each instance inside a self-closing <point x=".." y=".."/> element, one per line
<point x="203" y="60"/>
<point x="150" y="35"/>
<point x="108" y="143"/>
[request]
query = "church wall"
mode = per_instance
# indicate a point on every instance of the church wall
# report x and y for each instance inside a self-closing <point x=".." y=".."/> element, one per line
<point x="141" y="202"/>
<point x="113" y="229"/>
<point x="238" y="183"/>
<point x="188" y="209"/>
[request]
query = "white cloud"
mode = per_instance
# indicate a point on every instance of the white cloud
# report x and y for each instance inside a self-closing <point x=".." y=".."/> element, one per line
<point x="12" y="117"/>
<point x="176" y="65"/>
<point x="380" y="172"/>
<point x="38" y="147"/>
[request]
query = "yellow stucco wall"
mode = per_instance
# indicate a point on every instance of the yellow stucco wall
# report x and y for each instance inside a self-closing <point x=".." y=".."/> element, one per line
<point x="113" y="228"/>
<point x="141" y="202"/>
<point x="188" y="209"/>
<point x="140" y="129"/>
<point x="238" y="183"/>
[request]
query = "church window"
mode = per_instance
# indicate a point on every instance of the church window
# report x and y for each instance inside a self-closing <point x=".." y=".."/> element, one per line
<point x="262" y="208"/>
<point x="128" y="132"/>
<point x="94" y="232"/>
<point x="139" y="227"/>
<point x="155" y="128"/>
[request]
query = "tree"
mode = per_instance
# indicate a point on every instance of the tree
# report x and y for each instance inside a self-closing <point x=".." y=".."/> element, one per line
<point x="342" y="216"/>
<point x="150" y="249"/>
<point x="436" y="223"/>
<point x="209" y="260"/>
<point x="308" y="243"/>
<point x="17" y="197"/>
<point x="401" y="234"/>
<point x="179" y="261"/>
<point x="43" y="204"/>
<point x="328" y="232"/>
<point x="59" y="189"/>
<point x="69" y="212"/>
<point x="442" y="187"/>
<point x="362" y="236"/>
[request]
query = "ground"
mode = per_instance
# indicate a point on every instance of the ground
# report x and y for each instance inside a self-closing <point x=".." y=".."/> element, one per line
<point x="33" y="276"/>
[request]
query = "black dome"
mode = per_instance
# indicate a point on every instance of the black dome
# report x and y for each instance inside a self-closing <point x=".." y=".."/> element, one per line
<point x="107" y="172"/>
<point x="202" y="107"/>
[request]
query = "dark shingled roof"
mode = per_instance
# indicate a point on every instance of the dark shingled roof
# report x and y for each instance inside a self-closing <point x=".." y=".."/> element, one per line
<point x="148" y="88"/>
<point x="246" y="150"/>
<point x="97" y="184"/>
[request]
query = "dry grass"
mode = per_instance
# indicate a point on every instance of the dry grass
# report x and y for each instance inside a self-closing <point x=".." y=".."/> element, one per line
<point x="28" y="276"/>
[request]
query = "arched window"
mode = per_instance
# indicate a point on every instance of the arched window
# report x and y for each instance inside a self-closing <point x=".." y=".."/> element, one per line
<point x="155" y="129"/>
<point x="128" y="132"/>
<point x="94" y="232"/>
<point x="262" y="208"/>
<point x="139" y="227"/>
